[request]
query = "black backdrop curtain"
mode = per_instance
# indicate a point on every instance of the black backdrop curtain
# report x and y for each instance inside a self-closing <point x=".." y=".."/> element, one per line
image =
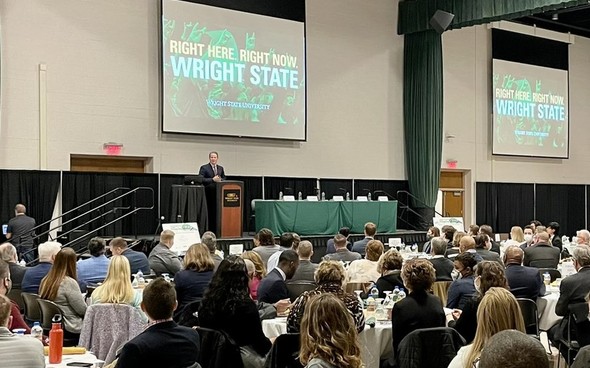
<point x="334" y="187"/>
<point x="503" y="205"/>
<point x="37" y="190"/>
<point x="166" y="182"/>
<point x="563" y="204"/>
<point x="252" y="190"/>
<point x="389" y="186"/>
<point x="274" y="185"/>
<point x="79" y="188"/>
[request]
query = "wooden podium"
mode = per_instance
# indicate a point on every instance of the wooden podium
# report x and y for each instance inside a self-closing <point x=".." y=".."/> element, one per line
<point x="229" y="204"/>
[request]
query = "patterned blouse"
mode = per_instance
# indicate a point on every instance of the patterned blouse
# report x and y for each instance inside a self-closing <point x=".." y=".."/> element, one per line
<point x="350" y="300"/>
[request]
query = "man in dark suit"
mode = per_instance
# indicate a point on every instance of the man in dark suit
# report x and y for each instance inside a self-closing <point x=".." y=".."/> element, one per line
<point x="272" y="288"/>
<point x="306" y="269"/>
<point x="361" y="245"/>
<point x="212" y="172"/>
<point x="163" y="343"/>
<point x="330" y="248"/>
<point x="482" y="246"/>
<point x="442" y="265"/>
<point x="524" y="282"/>
<point x="572" y="290"/>
<point x="137" y="260"/>
<point x="542" y="254"/>
<point x="342" y="253"/>
<point x="553" y="231"/>
<point x="487" y="230"/>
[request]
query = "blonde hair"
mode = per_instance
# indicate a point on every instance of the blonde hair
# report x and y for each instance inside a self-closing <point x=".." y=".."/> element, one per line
<point x="374" y="250"/>
<point x="257" y="260"/>
<point x="390" y="260"/>
<point x="498" y="311"/>
<point x="198" y="258"/>
<point x="116" y="288"/>
<point x="328" y="332"/>
<point x="330" y="271"/>
<point x="457" y="238"/>
<point x="517" y="234"/>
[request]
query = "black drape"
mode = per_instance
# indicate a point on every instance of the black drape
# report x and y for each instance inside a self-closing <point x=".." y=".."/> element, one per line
<point x="252" y="190"/>
<point x="37" y="190"/>
<point x="274" y="185"/>
<point x="389" y="186"/>
<point x="563" y="204"/>
<point x="334" y="187"/>
<point x="166" y="182"/>
<point x="503" y="205"/>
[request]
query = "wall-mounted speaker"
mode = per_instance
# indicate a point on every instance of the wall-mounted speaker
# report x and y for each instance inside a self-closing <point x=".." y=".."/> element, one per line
<point x="441" y="20"/>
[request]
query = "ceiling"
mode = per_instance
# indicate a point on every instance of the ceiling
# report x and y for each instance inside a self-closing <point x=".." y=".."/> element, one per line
<point x="575" y="20"/>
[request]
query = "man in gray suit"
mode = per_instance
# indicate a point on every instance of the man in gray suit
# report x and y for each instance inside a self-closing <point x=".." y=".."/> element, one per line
<point x="306" y="269"/>
<point x="342" y="253"/>
<point x="361" y="245"/>
<point x="162" y="259"/>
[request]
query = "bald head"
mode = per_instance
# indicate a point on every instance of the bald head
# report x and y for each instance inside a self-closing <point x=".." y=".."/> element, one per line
<point x="505" y="349"/>
<point x="465" y="243"/>
<point x="20" y="209"/>
<point x="513" y="255"/>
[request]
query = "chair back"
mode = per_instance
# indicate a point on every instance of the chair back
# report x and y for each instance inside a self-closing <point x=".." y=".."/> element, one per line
<point x="32" y="310"/>
<point x="441" y="289"/>
<point x="285" y="352"/>
<point x="530" y="314"/>
<point x="553" y="272"/>
<point x="188" y="316"/>
<point x="218" y="350"/>
<point x="15" y="296"/>
<point x="48" y="310"/>
<point x="297" y="288"/>
<point x="429" y="347"/>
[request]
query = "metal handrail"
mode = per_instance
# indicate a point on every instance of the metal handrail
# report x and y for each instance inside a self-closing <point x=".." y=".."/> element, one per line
<point x="405" y="207"/>
<point x="408" y="194"/>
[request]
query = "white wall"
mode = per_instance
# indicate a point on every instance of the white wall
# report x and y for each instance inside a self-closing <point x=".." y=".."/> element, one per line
<point x="102" y="86"/>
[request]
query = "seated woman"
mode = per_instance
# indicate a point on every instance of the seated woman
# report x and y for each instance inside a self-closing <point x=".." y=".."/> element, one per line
<point x="455" y="250"/>
<point x="497" y="311"/>
<point x="227" y="306"/>
<point x="462" y="289"/>
<point x="389" y="266"/>
<point x="365" y="270"/>
<point x="419" y="309"/>
<point x="117" y="288"/>
<point x="488" y="274"/>
<point x="259" y="274"/>
<point x="192" y="282"/>
<point x="61" y="286"/>
<point x="329" y="277"/>
<point x="328" y="335"/>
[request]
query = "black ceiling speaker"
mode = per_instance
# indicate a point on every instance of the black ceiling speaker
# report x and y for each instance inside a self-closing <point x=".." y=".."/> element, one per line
<point x="441" y="20"/>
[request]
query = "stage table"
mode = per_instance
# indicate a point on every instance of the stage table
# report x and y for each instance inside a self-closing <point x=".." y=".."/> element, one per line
<point x="324" y="217"/>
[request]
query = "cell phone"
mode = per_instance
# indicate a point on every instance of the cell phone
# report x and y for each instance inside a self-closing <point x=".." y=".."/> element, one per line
<point x="80" y="364"/>
<point x="5" y="229"/>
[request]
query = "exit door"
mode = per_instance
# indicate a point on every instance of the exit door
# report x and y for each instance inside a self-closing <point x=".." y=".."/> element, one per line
<point x="452" y="188"/>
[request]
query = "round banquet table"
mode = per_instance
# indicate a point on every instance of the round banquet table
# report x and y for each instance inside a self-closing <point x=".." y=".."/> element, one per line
<point x="81" y="358"/>
<point x="546" y="307"/>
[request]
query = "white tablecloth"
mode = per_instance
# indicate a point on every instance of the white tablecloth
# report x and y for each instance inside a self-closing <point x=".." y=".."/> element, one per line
<point x="546" y="307"/>
<point x="83" y="358"/>
<point x="375" y="342"/>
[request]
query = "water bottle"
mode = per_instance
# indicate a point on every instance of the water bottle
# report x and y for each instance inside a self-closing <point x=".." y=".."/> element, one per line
<point x="299" y="196"/>
<point x="395" y="296"/>
<point x="347" y="196"/>
<point x="369" y="196"/>
<point x="280" y="196"/>
<point x="56" y="340"/>
<point x="22" y="263"/>
<point x="140" y="280"/>
<point x="37" y="331"/>
<point x="414" y="247"/>
<point x="374" y="292"/>
<point x="323" y="196"/>
<point x="135" y="282"/>
<point x="402" y="294"/>
<point x="547" y="278"/>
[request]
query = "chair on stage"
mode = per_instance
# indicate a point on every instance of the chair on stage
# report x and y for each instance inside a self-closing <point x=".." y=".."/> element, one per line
<point x="530" y="314"/>
<point x="441" y="289"/>
<point x="297" y="288"/>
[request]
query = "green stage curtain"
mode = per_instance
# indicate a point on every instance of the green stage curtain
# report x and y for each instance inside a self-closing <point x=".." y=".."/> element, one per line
<point x="414" y="15"/>
<point x="423" y="115"/>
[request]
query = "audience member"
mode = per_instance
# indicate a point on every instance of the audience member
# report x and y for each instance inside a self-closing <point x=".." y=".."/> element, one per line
<point x="210" y="240"/>
<point x="342" y="253"/>
<point x="345" y="231"/>
<point x="227" y="306"/>
<point x="61" y="287"/>
<point x="34" y="275"/>
<point x="529" y="232"/>
<point x="273" y="287"/>
<point x="443" y="266"/>
<point x="287" y="241"/>
<point x="306" y="269"/>
<point x="137" y="260"/>
<point x="330" y="278"/>
<point x="525" y="282"/>
<point x="467" y="245"/>
<point x="534" y="224"/>
<point x="162" y="259"/>
<point x="163" y="343"/>
<point x="473" y="230"/>
<point x="514" y="349"/>
<point x="361" y="245"/>
<point x="365" y="270"/>
<point x="542" y="254"/>
<point x="192" y="282"/>
<point x="260" y="272"/>
<point x="328" y="337"/>
<point x="117" y="288"/>
<point x="488" y="274"/>
<point x="516" y="237"/>
<point x="420" y="309"/>
<point x="487" y="230"/>
<point x="455" y="248"/>
<point x="483" y="246"/>
<point x="255" y="240"/>
<point x="5" y="286"/>
<point x="17" y="351"/>
<point x="21" y="232"/>
<point x="498" y="311"/>
<point x="390" y="267"/>
<point x="583" y="237"/>
<point x="448" y="232"/>
<point x="540" y="229"/>
<point x="267" y="245"/>
<point x="93" y="269"/>
<point x="433" y="232"/>
<point x="462" y="289"/>
<point x="17" y="272"/>
<point x="554" y="238"/>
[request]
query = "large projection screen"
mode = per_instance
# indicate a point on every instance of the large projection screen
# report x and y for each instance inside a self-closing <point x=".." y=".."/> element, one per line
<point x="232" y="73"/>
<point x="531" y="116"/>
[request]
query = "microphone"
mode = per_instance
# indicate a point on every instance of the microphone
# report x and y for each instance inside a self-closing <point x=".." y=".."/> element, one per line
<point x="384" y="192"/>
<point x="343" y="190"/>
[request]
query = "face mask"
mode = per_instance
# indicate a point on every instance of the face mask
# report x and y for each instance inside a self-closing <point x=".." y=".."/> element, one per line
<point x="455" y="274"/>
<point x="528" y="237"/>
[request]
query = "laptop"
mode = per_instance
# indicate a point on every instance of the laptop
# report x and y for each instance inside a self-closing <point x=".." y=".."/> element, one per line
<point x="193" y="180"/>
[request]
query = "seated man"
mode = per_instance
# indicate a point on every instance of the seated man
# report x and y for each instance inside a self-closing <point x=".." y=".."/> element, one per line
<point x="467" y="245"/>
<point x="162" y="259"/>
<point x="542" y="254"/>
<point x="17" y="320"/>
<point x="342" y="253"/>
<point x="306" y="269"/>
<point x="330" y="243"/>
<point x="15" y="351"/>
<point x="287" y="241"/>
<point x="272" y="288"/>
<point x="442" y="265"/>
<point x="17" y="272"/>
<point x="137" y="260"/>
<point x="361" y="245"/>
<point x="163" y="343"/>
<point x="512" y="348"/>
<point x="93" y="269"/>
<point x="524" y="282"/>
<point x="34" y="275"/>
<point x="210" y="240"/>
